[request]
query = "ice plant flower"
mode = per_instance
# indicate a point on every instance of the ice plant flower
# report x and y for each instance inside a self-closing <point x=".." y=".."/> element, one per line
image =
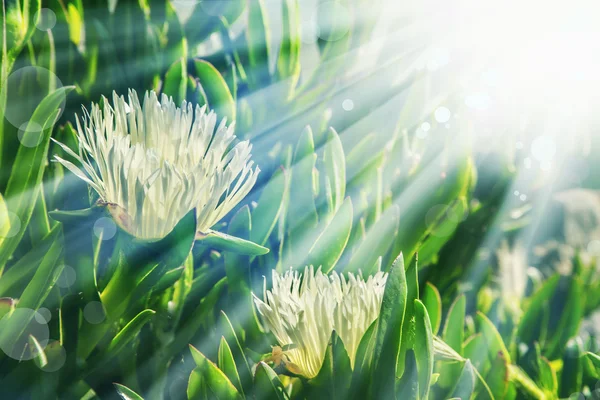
<point x="156" y="162"/>
<point x="303" y="310"/>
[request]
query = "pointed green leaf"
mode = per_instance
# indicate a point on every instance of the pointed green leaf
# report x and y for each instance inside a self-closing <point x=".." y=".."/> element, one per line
<point x="226" y="364"/>
<point x="433" y="303"/>
<point x="267" y="383"/>
<point x="129" y="332"/>
<point x="389" y="331"/>
<point x="530" y="325"/>
<point x="377" y="243"/>
<point x="270" y="204"/>
<point x="216" y="90"/>
<point x="363" y="362"/>
<point x="215" y="380"/>
<point x="175" y="83"/>
<point x="333" y="381"/>
<point x="330" y="244"/>
<point x="126" y="393"/>
<point x="454" y="328"/>
<point x="258" y="37"/>
<point x="466" y="383"/>
<point x="335" y="167"/>
<point x="222" y="241"/>
<point x="423" y="348"/>
<point x="28" y="168"/>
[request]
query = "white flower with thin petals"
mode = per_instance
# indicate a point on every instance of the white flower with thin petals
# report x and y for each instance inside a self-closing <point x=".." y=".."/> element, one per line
<point x="303" y="311"/>
<point x="157" y="161"/>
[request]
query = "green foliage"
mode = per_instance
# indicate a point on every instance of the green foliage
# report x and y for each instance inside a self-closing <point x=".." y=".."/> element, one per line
<point x="174" y="317"/>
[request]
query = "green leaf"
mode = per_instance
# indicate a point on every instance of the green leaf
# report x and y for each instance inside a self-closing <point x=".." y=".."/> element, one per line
<point x="244" y="370"/>
<point x="362" y="363"/>
<point x="389" y="331"/>
<point x="492" y="337"/>
<point x="423" y="348"/>
<point x="69" y="330"/>
<point x="530" y="327"/>
<point x="129" y="332"/>
<point x="407" y="387"/>
<point x="214" y="379"/>
<point x="197" y="388"/>
<point x="288" y="62"/>
<point x="270" y="205"/>
<point x="335" y="167"/>
<point x="4" y="221"/>
<point x="302" y="213"/>
<point x="216" y="90"/>
<point x="15" y="279"/>
<point x="466" y="383"/>
<point x="433" y="303"/>
<point x="126" y="393"/>
<point x="40" y="356"/>
<point x="175" y="83"/>
<point x="226" y="364"/>
<point x="570" y="319"/>
<point x="408" y="327"/>
<point x="267" y="384"/>
<point x="236" y="265"/>
<point x="28" y="168"/>
<point x="222" y="241"/>
<point x="377" y="243"/>
<point x="571" y="379"/>
<point x="7" y="305"/>
<point x="258" y="37"/>
<point x="595" y="360"/>
<point x="45" y="276"/>
<point x="333" y="381"/>
<point x="329" y="246"/>
<point x="453" y="333"/>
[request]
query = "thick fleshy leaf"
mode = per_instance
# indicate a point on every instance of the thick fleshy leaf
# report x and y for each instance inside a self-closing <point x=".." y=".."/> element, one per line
<point x="216" y="90"/>
<point x="570" y="318"/>
<point x="270" y="204"/>
<point x="453" y="333"/>
<point x="226" y="364"/>
<point x="267" y="384"/>
<point x="302" y="213"/>
<point x="335" y="167"/>
<point x="571" y="378"/>
<point x="129" y="332"/>
<point x="531" y="324"/>
<point x="237" y="351"/>
<point x="433" y="303"/>
<point x="378" y="241"/>
<point x="408" y="326"/>
<point x="288" y="62"/>
<point x="389" y="331"/>
<point x="20" y="274"/>
<point x="176" y="80"/>
<point x="595" y="360"/>
<point x="28" y="168"/>
<point x="4" y="221"/>
<point x="466" y="382"/>
<point x="215" y="380"/>
<point x="333" y="381"/>
<point x="423" y="348"/>
<point x="329" y="246"/>
<point x="46" y="275"/>
<point x="222" y="241"/>
<point x="362" y="363"/>
<point x="126" y="393"/>
<point x="258" y="37"/>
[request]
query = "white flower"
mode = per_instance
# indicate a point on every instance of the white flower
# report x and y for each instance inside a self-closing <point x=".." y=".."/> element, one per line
<point x="303" y="311"/>
<point x="157" y="162"/>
